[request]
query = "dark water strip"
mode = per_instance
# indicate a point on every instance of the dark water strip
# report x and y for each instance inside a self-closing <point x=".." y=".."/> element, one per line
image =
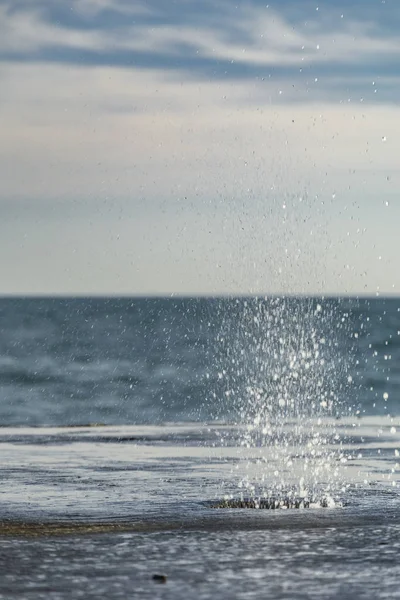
<point x="212" y="520"/>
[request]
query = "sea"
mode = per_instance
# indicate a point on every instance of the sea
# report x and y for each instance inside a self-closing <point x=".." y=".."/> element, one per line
<point x="199" y="447"/>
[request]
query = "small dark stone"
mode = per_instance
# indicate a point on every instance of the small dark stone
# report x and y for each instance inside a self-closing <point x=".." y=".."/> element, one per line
<point x="160" y="578"/>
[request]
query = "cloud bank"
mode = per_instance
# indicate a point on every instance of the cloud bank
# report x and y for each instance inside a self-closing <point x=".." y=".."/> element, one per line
<point x="198" y="147"/>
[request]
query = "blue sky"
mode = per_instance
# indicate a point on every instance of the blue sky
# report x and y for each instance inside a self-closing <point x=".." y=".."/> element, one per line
<point x="199" y="147"/>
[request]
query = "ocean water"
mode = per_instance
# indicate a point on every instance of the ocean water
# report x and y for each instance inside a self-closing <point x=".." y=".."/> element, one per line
<point x="147" y="361"/>
<point x="126" y="422"/>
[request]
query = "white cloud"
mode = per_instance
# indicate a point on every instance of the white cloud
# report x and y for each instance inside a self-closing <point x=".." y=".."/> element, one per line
<point x="98" y="130"/>
<point x="186" y="187"/>
<point x="93" y="8"/>
<point x="249" y="36"/>
<point x="133" y="180"/>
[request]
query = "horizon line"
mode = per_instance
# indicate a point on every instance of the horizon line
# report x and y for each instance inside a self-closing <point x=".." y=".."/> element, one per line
<point x="195" y="296"/>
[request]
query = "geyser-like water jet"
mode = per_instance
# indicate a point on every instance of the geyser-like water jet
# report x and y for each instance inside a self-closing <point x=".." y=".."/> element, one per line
<point x="285" y="384"/>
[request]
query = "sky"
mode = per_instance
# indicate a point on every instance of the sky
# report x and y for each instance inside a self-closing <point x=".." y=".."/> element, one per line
<point x="199" y="147"/>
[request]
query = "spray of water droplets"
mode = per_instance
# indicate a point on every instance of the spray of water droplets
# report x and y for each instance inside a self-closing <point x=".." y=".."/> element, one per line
<point x="283" y="382"/>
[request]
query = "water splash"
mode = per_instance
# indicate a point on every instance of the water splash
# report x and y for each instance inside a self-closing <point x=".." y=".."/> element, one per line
<point x="284" y="382"/>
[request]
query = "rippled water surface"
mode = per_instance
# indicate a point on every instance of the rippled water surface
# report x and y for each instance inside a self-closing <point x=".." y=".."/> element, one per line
<point x="96" y="512"/>
<point x="124" y="422"/>
<point x="118" y="361"/>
